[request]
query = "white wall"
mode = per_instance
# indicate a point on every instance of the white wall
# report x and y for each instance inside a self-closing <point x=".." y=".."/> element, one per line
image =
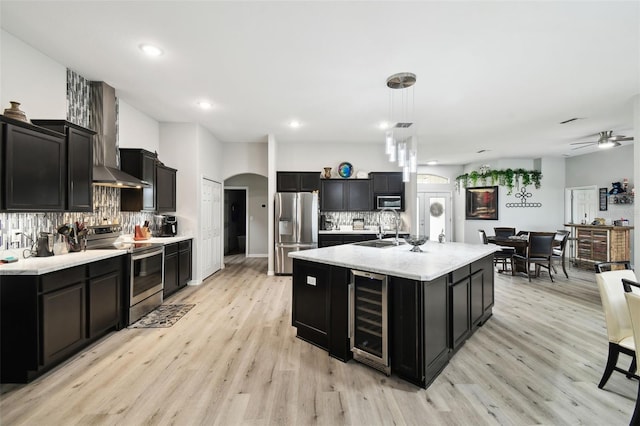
<point x="244" y="158"/>
<point x="36" y="81"/>
<point x="137" y="130"/>
<point x="258" y="211"/>
<point x="368" y="157"/>
<point x="549" y="217"/>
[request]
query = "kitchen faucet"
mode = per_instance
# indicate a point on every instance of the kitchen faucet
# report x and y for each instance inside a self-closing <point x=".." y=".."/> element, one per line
<point x="397" y="223"/>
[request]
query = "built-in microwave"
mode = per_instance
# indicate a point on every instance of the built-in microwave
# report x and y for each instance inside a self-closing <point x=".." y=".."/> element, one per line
<point x="389" y="202"/>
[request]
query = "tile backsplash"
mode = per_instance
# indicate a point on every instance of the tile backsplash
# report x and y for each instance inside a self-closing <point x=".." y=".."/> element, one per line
<point x="106" y="209"/>
<point x="387" y="219"/>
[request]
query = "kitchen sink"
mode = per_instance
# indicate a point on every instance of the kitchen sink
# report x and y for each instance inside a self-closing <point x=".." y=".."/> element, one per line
<point x="378" y="243"/>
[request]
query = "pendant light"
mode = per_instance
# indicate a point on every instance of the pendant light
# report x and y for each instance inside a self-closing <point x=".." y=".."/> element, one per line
<point x="400" y="141"/>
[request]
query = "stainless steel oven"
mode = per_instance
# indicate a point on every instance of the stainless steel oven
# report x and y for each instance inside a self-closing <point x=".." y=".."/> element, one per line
<point x="368" y="319"/>
<point x="146" y="280"/>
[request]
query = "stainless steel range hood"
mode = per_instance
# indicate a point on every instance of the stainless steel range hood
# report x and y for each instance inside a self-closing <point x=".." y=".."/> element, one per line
<point x="105" y="150"/>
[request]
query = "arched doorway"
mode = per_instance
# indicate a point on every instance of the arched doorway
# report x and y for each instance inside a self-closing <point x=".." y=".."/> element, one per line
<point x="246" y="215"/>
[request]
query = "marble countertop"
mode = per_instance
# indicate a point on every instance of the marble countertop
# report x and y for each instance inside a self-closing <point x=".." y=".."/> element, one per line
<point x="44" y="265"/>
<point x="435" y="260"/>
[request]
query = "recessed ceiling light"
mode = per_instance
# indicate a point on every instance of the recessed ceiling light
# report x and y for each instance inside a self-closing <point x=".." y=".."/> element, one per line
<point x="151" y="50"/>
<point x="294" y="124"/>
<point x="205" y="104"/>
<point x="384" y="125"/>
<point x="432" y="162"/>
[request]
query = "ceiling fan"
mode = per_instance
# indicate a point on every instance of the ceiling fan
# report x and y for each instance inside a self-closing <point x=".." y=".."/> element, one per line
<point x="605" y="140"/>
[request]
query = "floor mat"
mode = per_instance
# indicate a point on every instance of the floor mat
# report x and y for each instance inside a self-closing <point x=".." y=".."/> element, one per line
<point x="163" y="316"/>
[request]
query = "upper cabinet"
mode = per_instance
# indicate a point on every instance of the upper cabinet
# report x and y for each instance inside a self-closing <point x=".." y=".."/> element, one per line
<point x="345" y="195"/>
<point x="165" y="188"/>
<point x="79" y="147"/>
<point x="160" y="196"/>
<point x="34" y="167"/>
<point x="385" y="184"/>
<point x="297" y="181"/>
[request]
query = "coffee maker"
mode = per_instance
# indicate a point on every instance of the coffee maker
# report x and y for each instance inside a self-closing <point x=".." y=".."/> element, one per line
<point x="168" y="226"/>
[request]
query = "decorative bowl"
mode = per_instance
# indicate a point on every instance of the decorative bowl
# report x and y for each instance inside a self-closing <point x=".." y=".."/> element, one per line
<point x="345" y="169"/>
<point x="416" y="241"/>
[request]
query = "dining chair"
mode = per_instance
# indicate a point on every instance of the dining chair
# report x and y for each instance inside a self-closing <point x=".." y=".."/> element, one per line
<point x="539" y="252"/>
<point x="504" y="232"/>
<point x="505" y="254"/>
<point x="617" y="320"/>
<point x="633" y="305"/>
<point x="560" y="243"/>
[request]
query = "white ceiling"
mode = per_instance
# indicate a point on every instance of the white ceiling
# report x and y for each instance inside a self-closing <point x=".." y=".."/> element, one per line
<point x="498" y="76"/>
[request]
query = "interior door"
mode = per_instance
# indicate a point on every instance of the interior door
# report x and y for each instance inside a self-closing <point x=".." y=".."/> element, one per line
<point x="210" y="227"/>
<point x="435" y="214"/>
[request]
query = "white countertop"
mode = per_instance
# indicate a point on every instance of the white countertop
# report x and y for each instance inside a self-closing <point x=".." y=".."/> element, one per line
<point x="435" y="260"/>
<point x="44" y="265"/>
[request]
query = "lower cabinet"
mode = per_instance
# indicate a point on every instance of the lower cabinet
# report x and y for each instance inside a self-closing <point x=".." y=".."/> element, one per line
<point x="45" y="319"/>
<point x="177" y="266"/>
<point x="104" y="294"/>
<point x="63" y="322"/>
<point x="471" y="299"/>
<point x="310" y="310"/>
<point x="460" y="324"/>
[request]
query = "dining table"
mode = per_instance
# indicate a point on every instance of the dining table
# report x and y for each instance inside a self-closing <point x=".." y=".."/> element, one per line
<point x="518" y="242"/>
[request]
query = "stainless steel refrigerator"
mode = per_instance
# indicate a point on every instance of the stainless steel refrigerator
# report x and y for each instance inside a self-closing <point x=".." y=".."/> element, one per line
<point x="296" y="226"/>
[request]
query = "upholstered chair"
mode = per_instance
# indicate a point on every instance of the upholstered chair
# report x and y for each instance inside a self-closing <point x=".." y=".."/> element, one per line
<point x="618" y="321"/>
<point x="633" y="303"/>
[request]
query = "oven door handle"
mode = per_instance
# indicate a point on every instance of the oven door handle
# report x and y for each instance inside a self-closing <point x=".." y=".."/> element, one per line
<point x="147" y="254"/>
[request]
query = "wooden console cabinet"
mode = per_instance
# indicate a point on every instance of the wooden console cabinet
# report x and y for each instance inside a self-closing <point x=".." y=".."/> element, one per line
<point x="601" y="243"/>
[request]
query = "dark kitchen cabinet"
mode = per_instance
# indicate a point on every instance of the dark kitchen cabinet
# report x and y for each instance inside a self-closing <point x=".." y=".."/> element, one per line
<point x="359" y="195"/>
<point x="310" y="308"/>
<point x="471" y="293"/>
<point x="79" y="149"/>
<point x="333" y="195"/>
<point x="63" y="322"/>
<point x="177" y="266"/>
<point x="34" y="167"/>
<point x="44" y="319"/>
<point x="141" y="164"/>
<point x="170" y="269"/>
<point x="165" y="188"/>
<point x="387" y="183"/>
<point x="297" y="181"/>
<point x="419" y="316"/>
<point x="160" y="196"/>
<point x="345" y="195"/>
<point x="339" y="341"/>
<point x="104" y="294"/>
<point x="460" y="312"/>
<point x="184" y="262"/>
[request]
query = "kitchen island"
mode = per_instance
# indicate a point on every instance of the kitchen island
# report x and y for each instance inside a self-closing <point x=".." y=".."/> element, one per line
<point x="434" y="300"/>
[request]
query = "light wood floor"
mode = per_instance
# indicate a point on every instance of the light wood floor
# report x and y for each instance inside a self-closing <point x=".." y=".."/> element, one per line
<point x="234" y="359"/>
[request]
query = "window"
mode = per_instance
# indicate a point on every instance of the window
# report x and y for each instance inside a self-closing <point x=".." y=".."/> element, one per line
<point x="428" y="178"/>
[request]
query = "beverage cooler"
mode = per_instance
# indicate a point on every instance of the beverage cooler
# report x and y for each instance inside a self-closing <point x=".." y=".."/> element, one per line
<point x="368" y="319"/>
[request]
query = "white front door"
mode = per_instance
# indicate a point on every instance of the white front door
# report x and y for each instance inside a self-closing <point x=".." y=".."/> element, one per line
<point x="435" y="214"/>
<point x="210" y="227"/>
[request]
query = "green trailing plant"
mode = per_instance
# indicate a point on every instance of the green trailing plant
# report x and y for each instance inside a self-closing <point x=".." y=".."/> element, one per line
<point x="509" y="177"/>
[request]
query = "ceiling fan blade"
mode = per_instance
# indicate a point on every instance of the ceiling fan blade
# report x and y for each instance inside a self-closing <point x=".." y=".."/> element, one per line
<point x="579" y="147"/>
<point x="619" y="138"/>
<point x="582" y="143"/>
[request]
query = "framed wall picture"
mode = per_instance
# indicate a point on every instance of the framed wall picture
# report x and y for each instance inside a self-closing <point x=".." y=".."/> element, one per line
<point x="482" y="203"/>
<point x="603" y="198"/>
